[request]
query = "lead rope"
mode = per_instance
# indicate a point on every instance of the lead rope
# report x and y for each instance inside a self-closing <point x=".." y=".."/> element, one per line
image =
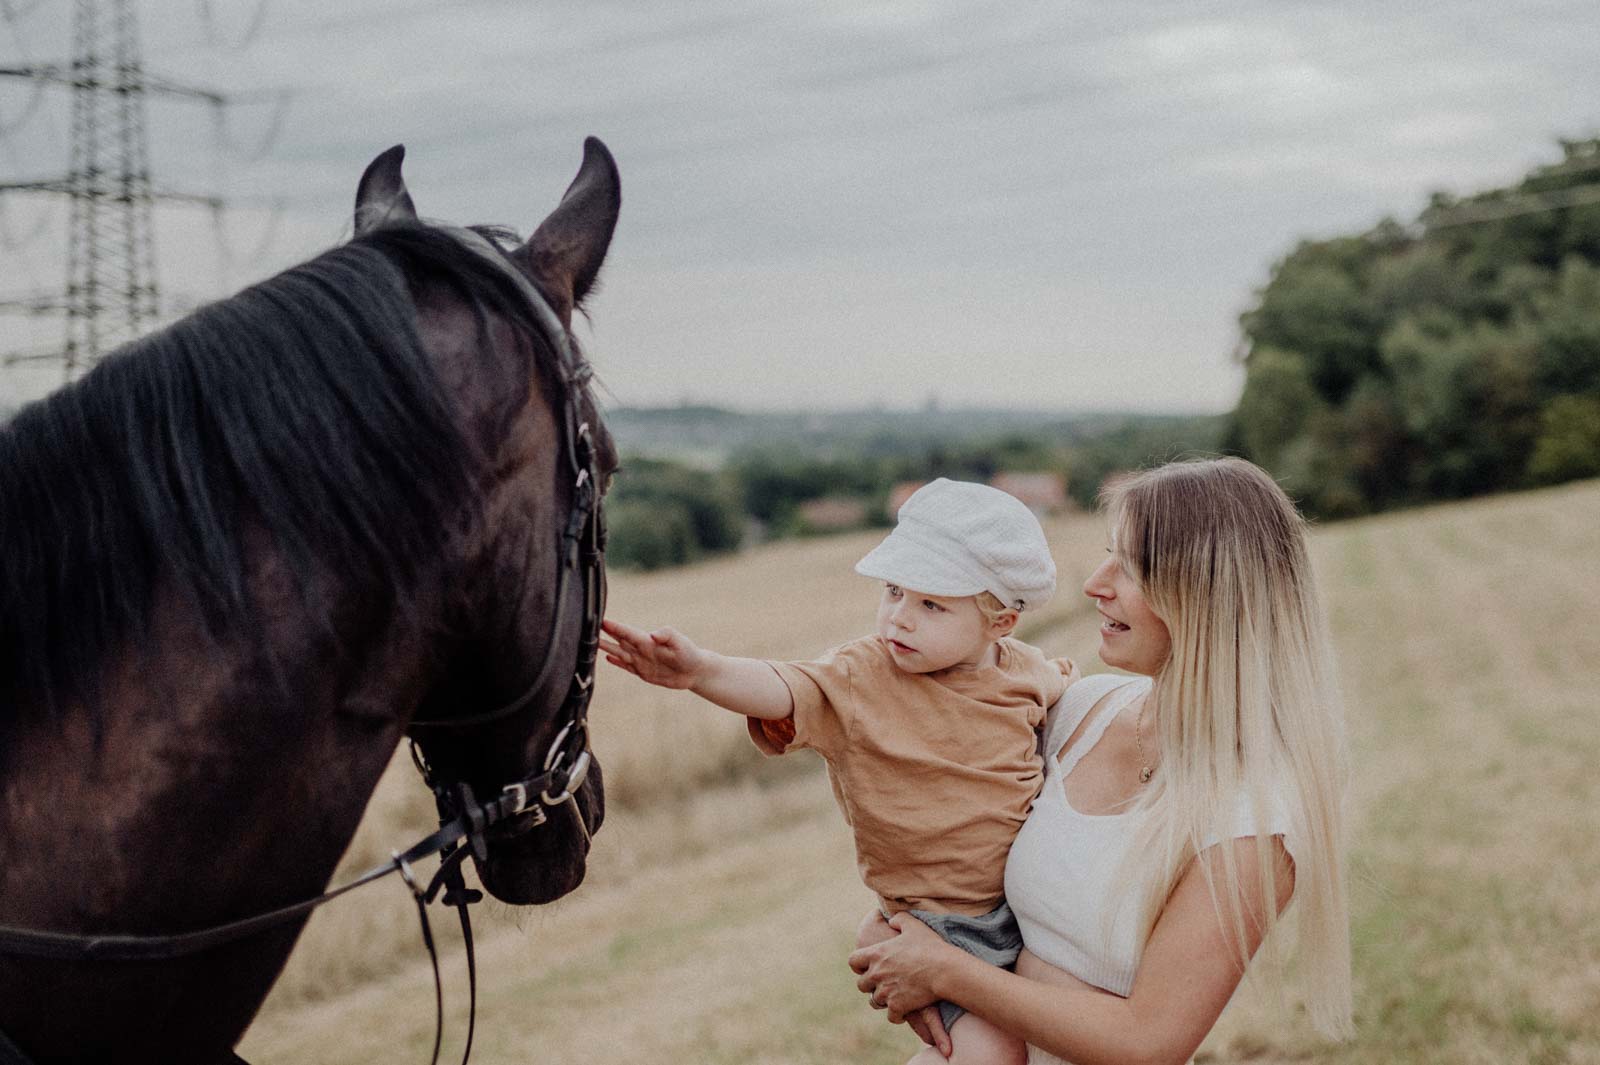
<point x="460" y="896"/>
<point x="456" y="893"/>
<point x="420" y="896"/>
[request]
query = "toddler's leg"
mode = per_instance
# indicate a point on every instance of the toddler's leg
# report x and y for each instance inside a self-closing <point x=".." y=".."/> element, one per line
<point x="873" y="929"/>
<point x="928" y="1023"/>
<point x="974" y="1041"/>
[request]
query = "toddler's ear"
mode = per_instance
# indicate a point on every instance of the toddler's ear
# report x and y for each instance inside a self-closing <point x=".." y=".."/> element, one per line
<point x="1005" y="624"/>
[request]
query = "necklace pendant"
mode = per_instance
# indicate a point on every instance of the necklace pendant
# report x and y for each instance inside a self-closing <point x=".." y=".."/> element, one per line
<point x="1144" y="774"/>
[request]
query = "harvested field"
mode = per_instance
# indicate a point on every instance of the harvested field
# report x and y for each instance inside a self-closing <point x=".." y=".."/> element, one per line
<point x="723" y="897"/>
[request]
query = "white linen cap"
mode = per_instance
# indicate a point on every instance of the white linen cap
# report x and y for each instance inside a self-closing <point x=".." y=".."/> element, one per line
<point x="956" y="538"/>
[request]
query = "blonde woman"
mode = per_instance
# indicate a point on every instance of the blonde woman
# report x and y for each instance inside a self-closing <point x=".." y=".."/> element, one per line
<point x="1183" y="809"/>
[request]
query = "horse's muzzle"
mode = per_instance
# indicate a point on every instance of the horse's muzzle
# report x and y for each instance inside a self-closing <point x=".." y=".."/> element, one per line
<point x="531" y="863"/>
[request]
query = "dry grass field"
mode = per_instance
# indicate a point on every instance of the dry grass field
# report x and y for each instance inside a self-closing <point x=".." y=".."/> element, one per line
<point x="722" y="897"/>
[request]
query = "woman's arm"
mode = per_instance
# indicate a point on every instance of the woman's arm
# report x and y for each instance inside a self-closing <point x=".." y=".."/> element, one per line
<point x="1186" y="975"/>
<point x="926" y="1022"/>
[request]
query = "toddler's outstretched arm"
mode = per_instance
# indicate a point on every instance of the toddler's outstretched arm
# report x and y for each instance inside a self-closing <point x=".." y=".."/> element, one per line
<point x="669" y="659"/>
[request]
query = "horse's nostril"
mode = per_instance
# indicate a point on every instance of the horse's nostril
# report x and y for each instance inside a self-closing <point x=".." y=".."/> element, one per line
<point x="518" y="826"/>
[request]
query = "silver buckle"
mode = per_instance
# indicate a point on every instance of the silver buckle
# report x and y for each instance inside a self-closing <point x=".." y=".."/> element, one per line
<point x="580" y="770"/>
<point x="520" y="791"/>
<point x="552" y="757"/>
<point x="405" y="873"/>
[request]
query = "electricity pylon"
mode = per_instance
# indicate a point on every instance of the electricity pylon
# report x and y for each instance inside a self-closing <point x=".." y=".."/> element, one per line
<point x="112" y="293"/>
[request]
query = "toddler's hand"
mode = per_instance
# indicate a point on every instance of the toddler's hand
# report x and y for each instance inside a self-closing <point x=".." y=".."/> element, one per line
<point x="665" y="657"/>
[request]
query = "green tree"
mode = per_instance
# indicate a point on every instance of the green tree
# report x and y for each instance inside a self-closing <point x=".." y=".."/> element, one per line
<point x="1278" y="402"/>
<point x="1450" y="358"/>
<point x="664" y="513"/>
<point x="649" y="535"/>
<point x="1316" y="307"/>
<point x="1568" y="446"/>
<point x="1568" y="326"/>
<point x="773" y="486"/>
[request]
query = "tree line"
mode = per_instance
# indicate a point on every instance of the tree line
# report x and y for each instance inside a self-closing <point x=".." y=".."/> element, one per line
<point x="1454" y="356"/>
<point x="665" y="513"/>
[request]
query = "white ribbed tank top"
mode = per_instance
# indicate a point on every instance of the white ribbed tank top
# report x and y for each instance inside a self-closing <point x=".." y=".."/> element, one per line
<point x="1062" y="864"/>
<point x="1061" y="875"/>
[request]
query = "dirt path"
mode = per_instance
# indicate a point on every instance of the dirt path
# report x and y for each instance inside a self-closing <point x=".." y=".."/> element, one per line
<point x="734" y="954"/>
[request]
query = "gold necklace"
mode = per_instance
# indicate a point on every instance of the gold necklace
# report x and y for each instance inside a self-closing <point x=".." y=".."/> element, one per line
<point x="1145" y="769"/>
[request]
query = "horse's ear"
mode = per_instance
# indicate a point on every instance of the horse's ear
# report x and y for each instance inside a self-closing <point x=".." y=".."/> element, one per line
<point x="566" y="251"/>
<point x="381" y="197"/>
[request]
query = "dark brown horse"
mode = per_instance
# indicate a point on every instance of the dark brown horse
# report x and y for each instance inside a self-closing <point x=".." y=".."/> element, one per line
<point x="246" y="556"/>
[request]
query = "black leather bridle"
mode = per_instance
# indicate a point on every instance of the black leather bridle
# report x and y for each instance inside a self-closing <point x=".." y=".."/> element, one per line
<point x="464" y="820"/>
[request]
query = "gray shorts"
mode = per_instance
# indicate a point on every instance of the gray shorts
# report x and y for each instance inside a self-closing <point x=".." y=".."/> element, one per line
<point x="994" y="938"/>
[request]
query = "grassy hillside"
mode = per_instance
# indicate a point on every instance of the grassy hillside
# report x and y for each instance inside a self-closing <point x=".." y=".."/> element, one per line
<point x="723" y="896"/>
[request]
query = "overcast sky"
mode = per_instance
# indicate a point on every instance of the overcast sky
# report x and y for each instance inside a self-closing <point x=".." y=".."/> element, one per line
<point x="1053" y="205"/>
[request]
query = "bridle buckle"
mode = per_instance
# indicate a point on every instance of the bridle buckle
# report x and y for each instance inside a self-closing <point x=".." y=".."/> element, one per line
<point x="520" y="805"/>
<point x="575" y="778"/>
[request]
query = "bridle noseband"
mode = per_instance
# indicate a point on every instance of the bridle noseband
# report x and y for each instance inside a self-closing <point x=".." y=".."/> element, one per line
<point x="464" y="821"/>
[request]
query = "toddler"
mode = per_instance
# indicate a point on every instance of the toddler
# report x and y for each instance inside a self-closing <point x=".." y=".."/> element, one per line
<point x="927" y="726"/>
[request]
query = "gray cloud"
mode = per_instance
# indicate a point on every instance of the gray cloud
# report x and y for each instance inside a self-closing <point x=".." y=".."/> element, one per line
<point x="1036" y="203"/>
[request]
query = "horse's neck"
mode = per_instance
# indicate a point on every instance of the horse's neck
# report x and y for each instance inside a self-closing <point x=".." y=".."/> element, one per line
<point x="210" y="787"/>
<point x="241" y="770"/>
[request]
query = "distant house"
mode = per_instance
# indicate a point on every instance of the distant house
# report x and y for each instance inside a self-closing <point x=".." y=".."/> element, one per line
<point x="832" y="513"/>
<point x="1044" y="493"/>
<point x="899" y="494"/>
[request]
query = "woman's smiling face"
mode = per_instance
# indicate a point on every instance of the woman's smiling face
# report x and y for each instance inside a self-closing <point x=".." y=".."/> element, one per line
<point x="926" y="633"/>
<point x="1132" y="637"/>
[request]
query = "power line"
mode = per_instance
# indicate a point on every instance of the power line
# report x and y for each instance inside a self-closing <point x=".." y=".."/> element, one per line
<point x="1511" y="207"/>
<point x="112" y="293"/>
<point x="252" y="27"/>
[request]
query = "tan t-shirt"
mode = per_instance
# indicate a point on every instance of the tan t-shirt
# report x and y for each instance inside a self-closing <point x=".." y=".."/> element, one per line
<point x="935" y="772"/>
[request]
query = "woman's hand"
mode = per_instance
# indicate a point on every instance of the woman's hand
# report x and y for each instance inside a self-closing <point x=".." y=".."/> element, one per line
<point x="898" y="973"/>
<point x="926" y="1022"/>
<point x="665" y="657"/>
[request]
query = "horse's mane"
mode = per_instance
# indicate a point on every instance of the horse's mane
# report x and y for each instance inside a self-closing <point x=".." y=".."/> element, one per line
<point x="305" y="406"/>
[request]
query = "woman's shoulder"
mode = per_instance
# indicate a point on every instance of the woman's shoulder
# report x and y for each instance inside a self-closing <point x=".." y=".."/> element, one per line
<point x="1081" y="697"/>
<point x="1267" y="809"/>
<point x="1085" y="692"/>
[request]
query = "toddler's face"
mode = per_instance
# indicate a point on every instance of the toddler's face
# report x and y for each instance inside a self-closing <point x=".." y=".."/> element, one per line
<point x="932" y="632"/>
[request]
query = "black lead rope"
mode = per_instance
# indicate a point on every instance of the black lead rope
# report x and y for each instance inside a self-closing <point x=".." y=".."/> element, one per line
<point x="456" y="838"/>
<point x="519" y="798"/>
<point x="449" y="878"/>
<point x="456" y="894"/>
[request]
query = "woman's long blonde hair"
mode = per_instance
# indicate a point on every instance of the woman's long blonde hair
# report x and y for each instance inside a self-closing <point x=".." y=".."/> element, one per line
<point x="1246" y="708"/>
